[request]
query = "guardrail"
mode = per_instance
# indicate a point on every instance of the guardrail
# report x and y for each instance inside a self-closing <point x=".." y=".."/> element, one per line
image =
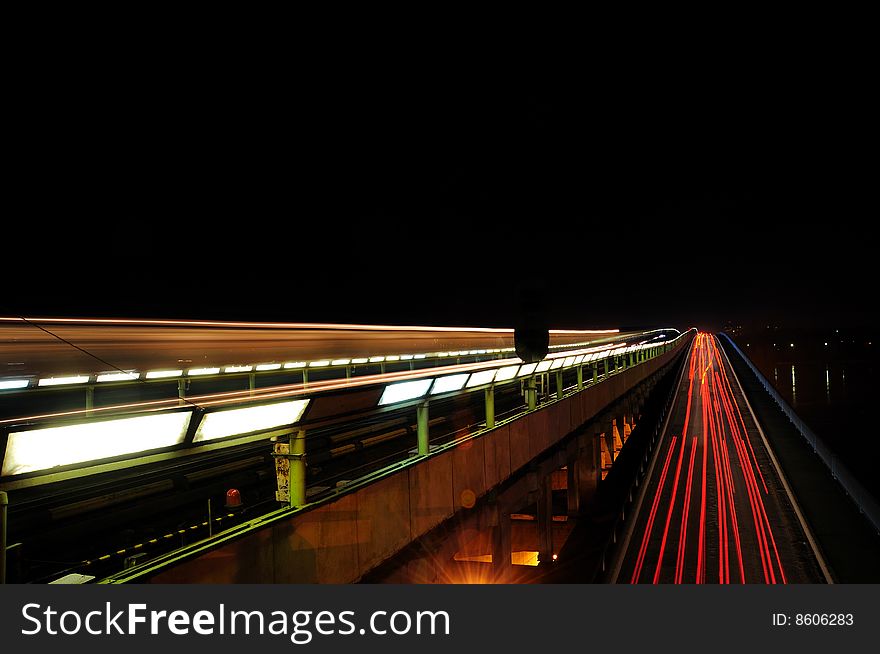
<point x="863" y="499"/>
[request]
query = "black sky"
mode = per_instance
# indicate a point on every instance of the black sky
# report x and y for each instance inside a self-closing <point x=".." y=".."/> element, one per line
<point x="624" y="202"/>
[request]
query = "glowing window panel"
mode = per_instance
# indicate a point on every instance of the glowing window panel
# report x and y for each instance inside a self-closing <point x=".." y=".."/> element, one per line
<point x="527" y="369"/>
<point x="43" y="449"/>
<point x="544" y="366"/>
<point x="263" y="367"/>
<point x="340" y="362"/>
<point x="419" y="356"/>
<point x="60" y="381"/>
<point x="403" y="391"/>
<point x="118" y="376"/>
<point x="448" y="384"/>
<point x="198" y="372"/>
<point x="319" y="364"/>
<point x="406" y="357"/>
<point x="578" y="360"/>
<point x="508" y="372"/>
<point x="393" y="358"/>
<point x="164" y="374"/>
<point x="232" y="422"/>
<point x="360" y="360"/>
<point x="8" y="384"/>
<point x="377" y="359"/>
<point x="557" y="364"/>
<point x="569" y="361"/>
<point x="480" y="378"/>
<point x="524" y="558"/>
<point x="238" y="368"/>
<point x="294" y="364"/>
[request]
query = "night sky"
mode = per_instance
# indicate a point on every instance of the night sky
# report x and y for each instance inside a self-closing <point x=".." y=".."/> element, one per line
<point x="625" y="204"/>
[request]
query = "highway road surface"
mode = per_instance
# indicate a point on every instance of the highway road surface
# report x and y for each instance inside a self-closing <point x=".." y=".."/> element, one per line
<point x="714" y="509"/>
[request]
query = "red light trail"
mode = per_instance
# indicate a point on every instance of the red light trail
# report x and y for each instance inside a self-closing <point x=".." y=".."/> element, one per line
<point x="716" y="496"/>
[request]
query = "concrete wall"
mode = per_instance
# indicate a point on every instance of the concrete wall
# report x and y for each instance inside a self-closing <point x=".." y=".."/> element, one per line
<point x="340" y="541"/>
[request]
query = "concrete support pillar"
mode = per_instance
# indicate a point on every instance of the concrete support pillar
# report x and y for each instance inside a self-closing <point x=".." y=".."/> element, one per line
<point x="598" y="436"/>
<point x="501" y="545"/>
<point x="608" y="424"/>
<point x="620" y="419"/>
<point x="559" y="385"/>
<point x="422" y="425"/>
<point x="490" y="407"/>
<point x="584" y="474"/>
<point x="572" y="495"/>
<point x="544" y="518"/>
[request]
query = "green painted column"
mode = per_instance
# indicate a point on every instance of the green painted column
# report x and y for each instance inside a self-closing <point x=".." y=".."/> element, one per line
<point x="490" y="407"/>
<point x="595" y="366"/>
<point x="422" y="422"/>
<point x="559" y="385"/>
<point x="580" y="370"/>
<point x="252" y="383"/>
<point x="90" y="399"/>
<point x="531" y="394"/>
<point x="298" y="468"/>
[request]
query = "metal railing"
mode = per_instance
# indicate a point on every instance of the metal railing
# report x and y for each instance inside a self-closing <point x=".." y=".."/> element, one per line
<point x="856" y="491"/>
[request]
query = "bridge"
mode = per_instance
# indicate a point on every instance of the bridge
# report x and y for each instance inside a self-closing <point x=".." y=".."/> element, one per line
<point x="196" y="451"/>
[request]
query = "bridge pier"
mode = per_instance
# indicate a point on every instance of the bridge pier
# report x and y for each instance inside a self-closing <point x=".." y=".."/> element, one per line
<point x="544" y="519"/>
<point x="582" y="475"/>
<point x="502" y="542"/>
